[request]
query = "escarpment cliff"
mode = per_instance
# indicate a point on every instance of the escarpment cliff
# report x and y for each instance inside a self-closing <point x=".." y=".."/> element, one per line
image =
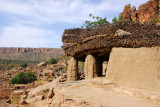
<point x="30" y="54"/>
<point x="25" y="50"/>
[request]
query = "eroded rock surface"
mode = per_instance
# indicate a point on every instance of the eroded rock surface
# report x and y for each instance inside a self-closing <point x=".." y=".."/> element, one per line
<point x="145" y="13"/>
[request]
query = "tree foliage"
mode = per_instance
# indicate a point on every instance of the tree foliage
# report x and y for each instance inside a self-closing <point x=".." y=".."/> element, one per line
<point x="114" y="20"/>
<point x="120" y="18"/>
<point x="97" y="21"/>
<point x="24" y="78"/>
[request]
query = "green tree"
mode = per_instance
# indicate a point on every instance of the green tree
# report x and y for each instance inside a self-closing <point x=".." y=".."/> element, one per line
<point x="114" y="20"/>
<point x="120" y="18"/>
<point x="24" y="78"/>
<point x="98" y="21"/>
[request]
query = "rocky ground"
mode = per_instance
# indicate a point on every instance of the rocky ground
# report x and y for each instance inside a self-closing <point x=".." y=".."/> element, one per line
<point x="98" y="92"/>
<point x="45" y="74"/>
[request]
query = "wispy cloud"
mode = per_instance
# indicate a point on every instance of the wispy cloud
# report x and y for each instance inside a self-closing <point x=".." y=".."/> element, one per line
<point x="26" y="36"/>
<point x="32" y="20"/>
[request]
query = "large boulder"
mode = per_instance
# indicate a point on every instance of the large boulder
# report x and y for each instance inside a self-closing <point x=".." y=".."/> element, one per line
<point x="41" y="64"/>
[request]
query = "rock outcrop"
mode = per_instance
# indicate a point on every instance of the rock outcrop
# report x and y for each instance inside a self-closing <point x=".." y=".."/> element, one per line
<point x="145" y="13"/>
<point x="41" y="64"/>
<point x="72" y="70"/>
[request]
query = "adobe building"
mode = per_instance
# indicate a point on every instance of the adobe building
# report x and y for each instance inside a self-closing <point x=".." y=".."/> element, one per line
<point x="127" y="53"/>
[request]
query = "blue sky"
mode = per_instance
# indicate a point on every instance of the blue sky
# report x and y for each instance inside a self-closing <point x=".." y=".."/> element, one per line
<point x="40" y="23"/>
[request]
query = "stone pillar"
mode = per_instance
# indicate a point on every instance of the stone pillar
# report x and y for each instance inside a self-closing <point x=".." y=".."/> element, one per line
<point x="90" y="67"/>
<point x="72" y="70"/>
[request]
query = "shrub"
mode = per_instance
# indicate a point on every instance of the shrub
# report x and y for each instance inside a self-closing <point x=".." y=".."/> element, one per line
<point x="24" y="65"/>
<point x="52" y="61"/>
<point x="120" y="18"/>
<point x="154" y="20"/>
<point x="24" y="78"/>
<point x="114" y="20"/>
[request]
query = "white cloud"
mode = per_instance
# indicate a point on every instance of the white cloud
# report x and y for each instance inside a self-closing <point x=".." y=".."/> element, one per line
<point x="56" y="11"/>
<point x="24" y="36"/>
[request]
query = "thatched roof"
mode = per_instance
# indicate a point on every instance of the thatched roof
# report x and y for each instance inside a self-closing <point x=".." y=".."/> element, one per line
<point x="99" y="40"/>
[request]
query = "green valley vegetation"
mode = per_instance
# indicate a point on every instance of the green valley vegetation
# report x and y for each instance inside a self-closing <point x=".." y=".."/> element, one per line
<point x="24" y="78"/>
<point x="6" y="64"/>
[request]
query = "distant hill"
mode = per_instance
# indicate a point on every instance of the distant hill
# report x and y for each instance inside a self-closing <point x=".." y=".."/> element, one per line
<point x="30" y="54"/>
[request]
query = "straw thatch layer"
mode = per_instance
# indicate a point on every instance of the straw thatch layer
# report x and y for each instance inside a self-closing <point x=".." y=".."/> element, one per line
<point x="100" y="39"/>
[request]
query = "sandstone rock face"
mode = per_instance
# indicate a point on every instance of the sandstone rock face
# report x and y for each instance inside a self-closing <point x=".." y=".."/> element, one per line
<point x="147" y="11"/>
<point x="90" y="67"/>
<point x="144" y="14"/>
<point x="72" y="70"/>
<point x="127" y="12"/>
<point x="135" y="67"/>
<point x="24" y="50"/>
<point x="133" y="14"/>
<point x="30" y="54"/>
